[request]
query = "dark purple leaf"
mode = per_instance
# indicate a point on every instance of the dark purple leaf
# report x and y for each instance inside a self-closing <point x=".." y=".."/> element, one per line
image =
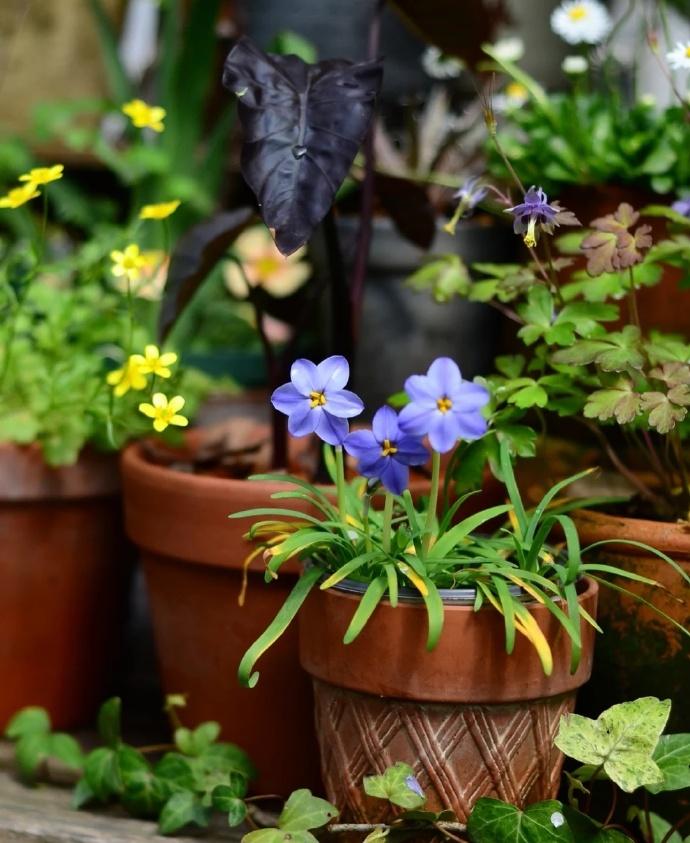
<point x="409" y="207"/>
<point x="303" y="126"/>
<point x="196" y="253"/>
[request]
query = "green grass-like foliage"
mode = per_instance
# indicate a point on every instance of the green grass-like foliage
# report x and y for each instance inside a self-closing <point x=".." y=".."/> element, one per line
<point x="534" y="557"/>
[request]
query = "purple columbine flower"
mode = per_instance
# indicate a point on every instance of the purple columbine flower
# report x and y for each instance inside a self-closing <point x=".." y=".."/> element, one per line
<point x="315" y="402"/>
<point x="444" y="406"/>
<point x="385" y="452"/>
<point x="470" y="195"/>
<point x="682" y="206"/>
<point x="535" y="214"/>
<point x="412" y="784"/>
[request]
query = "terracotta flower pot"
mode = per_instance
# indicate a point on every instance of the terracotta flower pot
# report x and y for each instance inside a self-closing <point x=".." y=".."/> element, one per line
<point x="63" y="577"/>
<point x="192" y="556"/>
<point x="471" y="720"/>
<point x="640" y="654"/>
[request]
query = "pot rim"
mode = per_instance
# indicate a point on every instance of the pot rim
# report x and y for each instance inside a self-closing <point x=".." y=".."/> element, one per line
<point x="667" y="536"/>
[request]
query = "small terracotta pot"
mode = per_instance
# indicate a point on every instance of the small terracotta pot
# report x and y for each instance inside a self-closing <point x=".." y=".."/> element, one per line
<point x="64" y="571"/>
<point x="471" y="720"/>
<point x="641" y="654"/>
<point x="192" y="556"/>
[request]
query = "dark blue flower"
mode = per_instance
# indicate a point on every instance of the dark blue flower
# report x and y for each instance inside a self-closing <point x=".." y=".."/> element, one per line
<point x="385" y="453"/>
<point x="682" y="206"/>
<point x="315" y="402"/>
<point x="444" y="406"/>
<point x="535" y="214"/>
<point x="412" y="784"/>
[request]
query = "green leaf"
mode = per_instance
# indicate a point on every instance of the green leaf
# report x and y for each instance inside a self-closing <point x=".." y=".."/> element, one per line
<point x="444" y="278"/>
<point x="365" y="608"/>
<point x="620" y="401"/>
<point x="82" y="794"/>
<point x="398" y="785"/>
<point x="19" y="426"/>
<point x="531" y="395"/>
<point x="304" y="811"/>
<point x="586" y="830"/>
<point x="614" y="353"/>
<point x="30" y="752"/>
<point x="660" y="826"/>
<point x="510" y="365"/>
<point x="175" y="772"/>
<point x="197" y="741"/>
<point x="183" y="808"/>
<point x="142" y="793"/>
<point x="275" y="835"/>
<point x="66" y="749"/>
<point x="290" y="43"/>
<point x="223" y="799"/>
<point x="664" y="415"/>
<point x="493" y="821"/>
<point x="29" y="721"/>
<point x="621" y="740"/>
<point x="672" y="757"/>
<point x="109" y="722"/>
<point x="102" y="773"/>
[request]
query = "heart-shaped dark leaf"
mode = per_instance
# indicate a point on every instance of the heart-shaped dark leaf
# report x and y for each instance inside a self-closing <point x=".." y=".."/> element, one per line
<point x="196" y="253"/>
<point x="303" y="124"/>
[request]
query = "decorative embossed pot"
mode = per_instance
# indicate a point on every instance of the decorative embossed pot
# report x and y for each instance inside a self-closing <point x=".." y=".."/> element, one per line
<point x="471" y="720"/>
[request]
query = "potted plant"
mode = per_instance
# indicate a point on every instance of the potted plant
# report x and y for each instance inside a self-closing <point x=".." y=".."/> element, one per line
<point x="464" y="647"/>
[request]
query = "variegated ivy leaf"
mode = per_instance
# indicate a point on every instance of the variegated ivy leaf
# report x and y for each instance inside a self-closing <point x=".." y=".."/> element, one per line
<point x="664" y="414"/>
<point x="621" y="741"/>
<point x="612" y="246"/>
<point x="616" y="352"/>
<point x="620" y="402"/>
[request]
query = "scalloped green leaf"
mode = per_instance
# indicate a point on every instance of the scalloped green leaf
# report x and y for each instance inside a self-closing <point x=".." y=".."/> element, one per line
<point x="398" y="785"/>
<point x="494" y="821"/>
<point x="672" y="756"/>
<point x="304" y="811"/>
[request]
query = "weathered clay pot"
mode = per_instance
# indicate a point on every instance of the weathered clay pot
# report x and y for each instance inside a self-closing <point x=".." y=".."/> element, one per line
<point x="471" y="720"/>
<point x="640" y="654"/>
<point x="192" y="555"/>
<point x="63" y="577"/>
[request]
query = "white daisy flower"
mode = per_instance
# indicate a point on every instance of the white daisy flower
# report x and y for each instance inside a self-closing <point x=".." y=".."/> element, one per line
<point x="513" y="96"/>
<point x="575" y="65"/>
<point x="679" y="59"/>
<point x="509" y="49"/>
<point x="438" y="65"/>
<point x="581" y="21"/>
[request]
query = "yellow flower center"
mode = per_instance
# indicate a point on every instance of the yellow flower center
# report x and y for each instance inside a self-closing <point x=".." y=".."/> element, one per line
<point x="687" y="52"/>
<point x="444" y="404"/>
<point x="267" y="266"/>
<point x="318" y="399"/>
<point x="516" y="91"/>
<point x="577" y="13"/>
<point x="388" y="448"/>
<point x="530" y="238"/>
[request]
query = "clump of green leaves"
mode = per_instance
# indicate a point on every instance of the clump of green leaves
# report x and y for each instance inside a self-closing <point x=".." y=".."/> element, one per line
<point x="185" y="786"/>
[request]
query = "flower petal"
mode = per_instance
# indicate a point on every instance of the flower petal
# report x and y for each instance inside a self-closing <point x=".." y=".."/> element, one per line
<point x="148" y="410"/>
<point x="444" y="431"/>
<point x="470" y="396"/>
<point x="159" y="425"/>
<point x="421" y="388"/>
<point x="411" y="451"/>
<point x="343" y="403"/>
<point x="176" y="403"/>
<point x="385" y="424"/>
<point x="331" y="429"/>
<point x="302" y="418"/>
<point x="362" y="444"/>
<point x="304" y="376"/>
<point x="159" y="400"/>
<point x="445" y="375"/>
<point x="395" y="476"/>
<point x="180" y="421"/>
<point x="333" y="373"/>
<point x="373" y="468"/>
<point x="286" y="398"/>
<point x="471" y="425"/>
<point x="415" y="418"/>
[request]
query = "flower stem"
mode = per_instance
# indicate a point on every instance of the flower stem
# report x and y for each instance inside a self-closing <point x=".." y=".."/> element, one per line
<point x="387" y="519"/>
<point x="433" y="499"/>
<point x="340" y="482"/>
<point x="632" y="302"/>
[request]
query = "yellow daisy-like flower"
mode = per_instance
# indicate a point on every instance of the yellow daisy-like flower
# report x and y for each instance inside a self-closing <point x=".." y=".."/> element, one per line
<point x="43" y="175"/>
<point x="156" y="363"/>
<point x="145" y="116"/>
<point x="164" y="412"/>
<point x="19" y="196"/>
<point x="160" y="211"/>
<point x="264" y="266"/>
<point x="128" y="263"/>
<point x="130" y="376"/>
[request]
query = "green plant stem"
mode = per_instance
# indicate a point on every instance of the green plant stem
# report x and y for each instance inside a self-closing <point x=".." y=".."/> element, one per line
<point x="632" y="302"/>
<point x="387" y="519"/>
<point x="676" y="827"/>
<point x="648" y="819"/>
<point x="366" y="506"/>
<point x="12" y="329"/>
<point x="553" y="278"/>
<point x="340" y="482"/>
<point x="614" y="802"/>
<point x="433" y="499"/>
<point x="592" y="780"/>
<point x="130" y="315"/>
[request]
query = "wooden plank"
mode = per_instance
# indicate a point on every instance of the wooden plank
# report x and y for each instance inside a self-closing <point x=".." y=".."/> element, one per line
<point x="43" y="815"/>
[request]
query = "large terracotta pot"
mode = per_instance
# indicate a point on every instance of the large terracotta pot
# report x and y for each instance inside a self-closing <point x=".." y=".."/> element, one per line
<point x="63" y="577"/>
<point x="192" y="556"/>
<point x="471" y="720"/>
<point x="640" y="654"/>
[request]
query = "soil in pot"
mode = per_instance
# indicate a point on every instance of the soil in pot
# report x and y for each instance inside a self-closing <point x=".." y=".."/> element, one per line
<point x="471" y="720"/>
<point x="64" y="572"/>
